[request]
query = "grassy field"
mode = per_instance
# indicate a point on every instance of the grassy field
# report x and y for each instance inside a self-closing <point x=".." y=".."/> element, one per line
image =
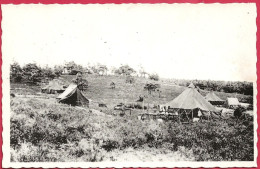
<point x="99" y="90"/>
<point x="43" y="130"/>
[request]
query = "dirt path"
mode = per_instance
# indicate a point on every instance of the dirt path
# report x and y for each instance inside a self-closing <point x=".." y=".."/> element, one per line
<point x="149" y="155"/>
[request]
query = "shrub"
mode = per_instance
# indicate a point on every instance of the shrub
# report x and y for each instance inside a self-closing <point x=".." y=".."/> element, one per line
<point x="154" y="76"/>
<point x="42" y="131"/>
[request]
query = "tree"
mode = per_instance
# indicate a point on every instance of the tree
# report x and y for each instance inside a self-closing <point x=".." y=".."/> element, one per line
<point x="16" y="72"/>
<point x="94" y="69"/>
<point x="154" y="76"/>
<point x="113" y="70"/>
<point x="58" y="69"/>
<point x="142" y="72"/>
<point x="75" y="68"/>
<point x="32" y="73"/>
<point x="125" y="70"/>
<point x="48" y="72"/>
<point x="150" y="87"/>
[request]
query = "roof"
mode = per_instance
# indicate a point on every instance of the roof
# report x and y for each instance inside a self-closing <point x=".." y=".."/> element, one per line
<point x="212" y="97"/>
<point x="232" y="101"/>
<point x="191" y="99"/>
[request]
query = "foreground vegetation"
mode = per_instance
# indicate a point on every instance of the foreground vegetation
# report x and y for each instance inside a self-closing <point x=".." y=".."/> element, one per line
<point x="43" y="131"/>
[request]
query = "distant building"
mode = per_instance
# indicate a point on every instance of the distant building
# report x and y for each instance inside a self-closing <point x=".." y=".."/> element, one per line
<point x="67" y="70"/>
<point x="232" y="102"/>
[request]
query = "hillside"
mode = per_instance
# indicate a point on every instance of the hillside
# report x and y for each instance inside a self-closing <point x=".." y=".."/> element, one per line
<point x="99" y="90"/>
<point x="44" y="130"/>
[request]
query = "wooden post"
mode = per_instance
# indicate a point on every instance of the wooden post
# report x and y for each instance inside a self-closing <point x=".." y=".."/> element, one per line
<point x="143" y="106"/>
<point x="192" y="114"/>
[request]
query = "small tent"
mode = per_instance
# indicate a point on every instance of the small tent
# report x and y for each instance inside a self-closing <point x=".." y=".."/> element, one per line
<point x="214" y="99"/>
<point x="54" y="86"/>
<point x="73" y="96"/>
<point x="232" y="102"/>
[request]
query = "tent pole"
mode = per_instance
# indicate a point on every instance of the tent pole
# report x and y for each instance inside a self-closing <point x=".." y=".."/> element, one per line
<point x="187" y="115"/>
<point x="179" y="118"/>
<point x="143" y="106"/>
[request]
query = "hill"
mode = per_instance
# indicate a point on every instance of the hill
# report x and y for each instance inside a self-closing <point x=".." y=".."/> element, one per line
<point x="99" y="90"/>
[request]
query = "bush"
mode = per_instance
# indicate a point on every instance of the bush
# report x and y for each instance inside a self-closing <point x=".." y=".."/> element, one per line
<point x="154" y="77"/>
<point x="42" y="131"/>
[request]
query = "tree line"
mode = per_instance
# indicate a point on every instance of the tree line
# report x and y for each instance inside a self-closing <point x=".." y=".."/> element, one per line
<point x="239" y="87"/>
<point x="33" y="73"/>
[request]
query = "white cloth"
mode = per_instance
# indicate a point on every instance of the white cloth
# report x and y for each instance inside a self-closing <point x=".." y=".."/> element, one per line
<point x="199" y="113"/>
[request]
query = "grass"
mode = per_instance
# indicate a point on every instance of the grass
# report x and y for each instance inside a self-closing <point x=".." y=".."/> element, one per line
<point x="42" y="130"/>
<point x="99" y="90"/>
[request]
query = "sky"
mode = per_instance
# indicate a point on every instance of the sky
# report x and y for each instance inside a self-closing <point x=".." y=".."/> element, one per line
<point x="184" y="41"/>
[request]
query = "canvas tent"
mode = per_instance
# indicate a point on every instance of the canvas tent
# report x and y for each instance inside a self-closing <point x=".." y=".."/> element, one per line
<point x="189" y="101"/>
<point x="232" y="102"/>
<point x="214" y="99"/>
<point x="54" y="86"/>
<point x="73" y="96"/>
<point x="191" y="86"/>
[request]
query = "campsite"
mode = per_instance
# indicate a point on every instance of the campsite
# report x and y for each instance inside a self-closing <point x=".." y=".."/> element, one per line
<point x="60" y="121"/>
<point x="130" y="85"/>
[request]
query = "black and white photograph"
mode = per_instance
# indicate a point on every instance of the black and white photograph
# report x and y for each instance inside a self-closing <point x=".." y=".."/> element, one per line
<point x="129" y="85"/>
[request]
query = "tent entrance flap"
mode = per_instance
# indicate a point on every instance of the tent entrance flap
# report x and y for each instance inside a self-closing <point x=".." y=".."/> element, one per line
<point x="73" y="96"/>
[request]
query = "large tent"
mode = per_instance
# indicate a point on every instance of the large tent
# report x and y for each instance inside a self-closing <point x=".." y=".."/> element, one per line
<point x="190" y="100"/>
<point x="214" y="99"/>
<point x="73" y="96"/>
<point x="54" y="86"/>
